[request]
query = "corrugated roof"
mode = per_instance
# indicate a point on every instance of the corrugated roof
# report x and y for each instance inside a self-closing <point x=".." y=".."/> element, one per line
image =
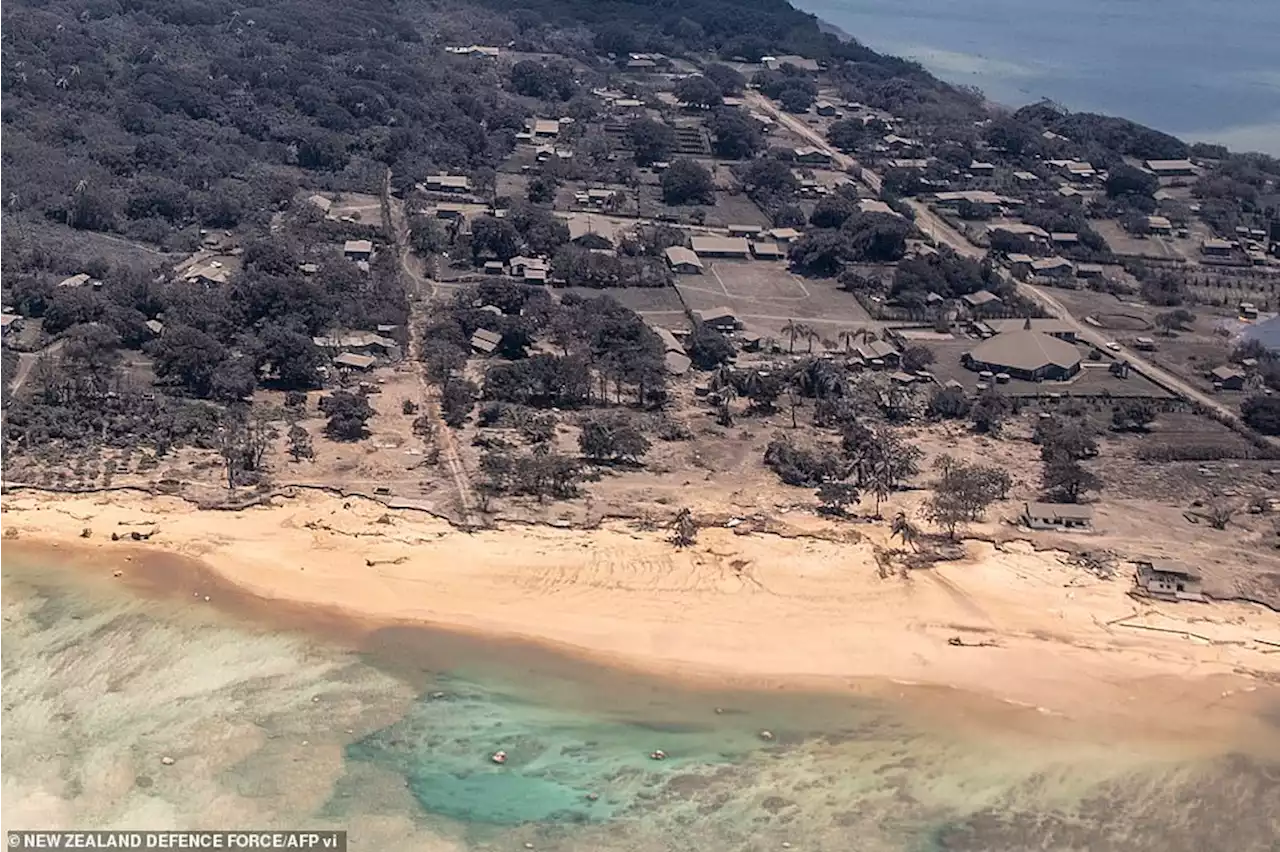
<point x="679" y="256"/>
<point x="710" y="244"/>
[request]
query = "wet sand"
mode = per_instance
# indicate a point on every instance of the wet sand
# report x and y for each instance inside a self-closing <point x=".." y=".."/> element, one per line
<point x="750" y="612"/>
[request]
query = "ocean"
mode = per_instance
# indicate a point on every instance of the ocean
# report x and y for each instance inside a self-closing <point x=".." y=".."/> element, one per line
<point x="1203" y="71"/>
<point x="277" y="723"/>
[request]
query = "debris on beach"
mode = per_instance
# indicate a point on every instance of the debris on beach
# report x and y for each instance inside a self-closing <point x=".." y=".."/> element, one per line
<point x="499" y="757"/>
<point x="658" y="754"/>
<point x="117" y="573"/>
<point x="167" y="760"/>
<point x="766" y="735"/>
<point x="591" y="797"/>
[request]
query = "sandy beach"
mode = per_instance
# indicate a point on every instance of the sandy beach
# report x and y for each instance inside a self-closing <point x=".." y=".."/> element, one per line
<point x="746" y="610"/>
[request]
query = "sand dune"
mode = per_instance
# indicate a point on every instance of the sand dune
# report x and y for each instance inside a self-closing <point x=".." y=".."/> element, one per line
<point x="754" y="609"/>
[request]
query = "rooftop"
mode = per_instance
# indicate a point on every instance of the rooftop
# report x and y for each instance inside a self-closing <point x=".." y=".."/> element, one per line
<point x="680" y="256"/>
<point x="1026" y="350"/>
<point x="1060" y="511"/>
<point x="711" y="244"/>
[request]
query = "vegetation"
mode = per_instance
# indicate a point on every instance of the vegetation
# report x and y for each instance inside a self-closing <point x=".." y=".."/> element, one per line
<point x="962" y="492"/>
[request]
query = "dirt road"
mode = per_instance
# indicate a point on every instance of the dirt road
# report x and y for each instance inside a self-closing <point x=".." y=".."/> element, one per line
<point x="419" y="292"/>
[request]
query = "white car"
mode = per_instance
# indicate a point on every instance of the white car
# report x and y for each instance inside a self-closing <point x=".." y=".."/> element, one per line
<point x="1113" y="346"/>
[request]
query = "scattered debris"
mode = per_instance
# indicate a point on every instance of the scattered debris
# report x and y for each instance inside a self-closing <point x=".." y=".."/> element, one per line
<point x="659" y="754"/>
<point x="960" y="643"/>
<point x="499" y="757"/>
<point x="766" y="735"/>
<point x="167" y="760"/>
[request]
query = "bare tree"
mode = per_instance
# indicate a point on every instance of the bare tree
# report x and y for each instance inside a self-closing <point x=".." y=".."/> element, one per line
<point x="684" y="529"/>
<point x="904" y="529"/>
<point x="1219" y="514"/>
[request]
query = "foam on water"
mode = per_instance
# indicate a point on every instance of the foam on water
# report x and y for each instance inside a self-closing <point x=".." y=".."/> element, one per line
<point x="393" y="741"/>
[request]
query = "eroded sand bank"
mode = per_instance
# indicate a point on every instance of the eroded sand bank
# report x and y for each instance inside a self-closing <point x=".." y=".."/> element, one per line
<point x="746" y="610"/>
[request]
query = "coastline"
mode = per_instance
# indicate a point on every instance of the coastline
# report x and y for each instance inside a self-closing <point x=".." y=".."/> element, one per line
<point x="756" y="611"/>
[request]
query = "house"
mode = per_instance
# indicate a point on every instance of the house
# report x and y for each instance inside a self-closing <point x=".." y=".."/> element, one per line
<point x="1159" y="225"/>
<point x="981" y="300"/>
<point x="448" y="183"/>
<point x="1021" y="229"/>
<point x="1144" y="344"/>
<point x="357" y="249"/>
<point x="878" y="353"/>
<point x="484" y="341"/>
<point x="320" y="203"/>
<point x="875" y="205"/>
<point x="683" y="260"/>
<point x="544" y="128"/>
<point x="812" y="156"/>
<point x="155" y="327"/>
<point x="474" y="50"/>
<point x="980" y="169"/>
<point x="1064" y="238"/>
<point x="10" y="322"/>
<point x="785" y="235"/>
<point x="973" y="196"/>
<point x="451" y="211"/>
<point x="352" y="361"/>
<point x="1228" y="378"/>
<point x="1075" y="170"/>
<point x="909" y="163"/>
<point x="494" y="267"/>
<point x="596" y="197"/>
<point x="721" y="319"/>
<point x="1020" y="264"/>
<point x="1171" y="168"/>
<point x="210" y="273"/>
<point x="640" y="63"/>
<point x="1052" y="267"/>
<point x="76" y="280"/>
<point x="1089" y="270"/>
<point x="1068" y="191"/>
<point x="705" y="245"/>
<point x="1160" y="578"/>
<point x="359" y="342"/>
<point x="767" y="251"/>
<point x="824" y="108"/>
<point x="677" y="363"/>
<point x="1045" y="325"/>
<point x="744" y="230"/>
<point x="1057" y="516"/>
<point x="1216" y="248"/>
<point x="1025" y="354"/>
<point x="1025" y="177"/>
<point x="519" y="266"/>
<point x="800" y="63"/>
<point x="670" y="343"/>
<point x="1248" y="310"/>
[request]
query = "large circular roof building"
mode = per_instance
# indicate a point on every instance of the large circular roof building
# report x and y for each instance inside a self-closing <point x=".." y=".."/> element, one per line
<point x="1025" y="354"/>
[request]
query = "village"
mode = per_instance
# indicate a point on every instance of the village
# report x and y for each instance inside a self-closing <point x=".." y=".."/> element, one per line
<point x="790" y="249"/>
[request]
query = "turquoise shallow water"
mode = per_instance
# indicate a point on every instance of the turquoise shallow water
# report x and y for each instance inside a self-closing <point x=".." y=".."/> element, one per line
<point x="391" y="739"/>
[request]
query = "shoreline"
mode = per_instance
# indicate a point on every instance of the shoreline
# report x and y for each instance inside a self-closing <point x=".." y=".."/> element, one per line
<point x="745" y="612"/>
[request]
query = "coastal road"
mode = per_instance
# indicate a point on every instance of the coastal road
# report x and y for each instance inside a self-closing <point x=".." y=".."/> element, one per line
<point x="941" y="231"/>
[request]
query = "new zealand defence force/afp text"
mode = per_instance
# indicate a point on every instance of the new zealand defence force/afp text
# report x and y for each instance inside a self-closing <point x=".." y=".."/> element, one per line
<point x="318" y="841"/>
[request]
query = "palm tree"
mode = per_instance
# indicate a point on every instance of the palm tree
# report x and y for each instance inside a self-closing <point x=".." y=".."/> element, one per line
<point x="726" y="395"/>
<point x="792" y="330"/>
<point x="880" y="484"/>
<point x="847" y="337"/>
<point x="866" y="333"/>
<point x="904" y="529"/>
<point x="811" y="335"/>
<point x="684" y="529"/>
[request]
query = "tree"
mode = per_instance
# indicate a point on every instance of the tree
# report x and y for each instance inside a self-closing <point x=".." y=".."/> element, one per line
<point x="730" y="81"/>
<point x="989" y="411"/>
<point x="292" y="355"/>
<point x="1178" y="319"/>
<point x="457" y="398"/>
<point x="1133" y="415"/>
<point x="1126" y="180"/>
<point x="492" y="237"/>
<point x="542" y="189"/>
<point x="904" y="529"/>
<point x="770" y="176"/>
<point x="796" y="99"/>
<point x="948" y="403"/>
<point x="963" y="492"/>
<point x="441" y="359"/>
<point x="300" y="443"/>
<point x="189" y="356"/>
<point x="877" y="237"/>
<point x="847" y="133"/>
<point x="684" y="529"/>
<point x="685" y="182"/>
<point x="698" y="91"/>
<point x="793" y="330"/>
<point x="348" y="412"/>
<point x="233" y="380"/>
<point x="708" y="348"/>
<point x="651" y="141"/>
<point x="1262" y="413"/>
<point x="917" y="357"/>
<point x="1065" y="478"/>
<point x="611" y="439"/>
<point x="832" y="211"/>
<point x="1065" y="435"/>
<point x="821" y="251"/>
<point x="426" y="235"/>
<point x="734" y="134"/>
<point x="836" y="496"/>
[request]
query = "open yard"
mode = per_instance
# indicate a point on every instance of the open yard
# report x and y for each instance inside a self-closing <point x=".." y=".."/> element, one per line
<point x="765" y="295"/>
